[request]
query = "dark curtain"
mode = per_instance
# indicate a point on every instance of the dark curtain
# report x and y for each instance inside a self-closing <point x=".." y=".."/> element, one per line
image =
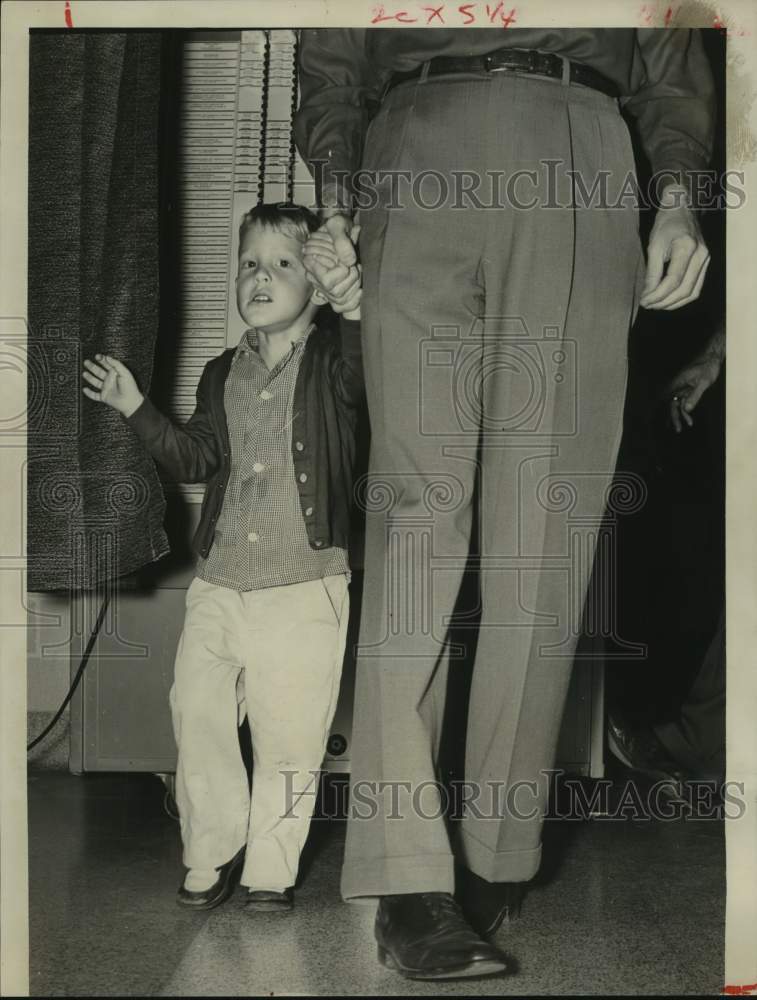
<point x="94" y="505"/>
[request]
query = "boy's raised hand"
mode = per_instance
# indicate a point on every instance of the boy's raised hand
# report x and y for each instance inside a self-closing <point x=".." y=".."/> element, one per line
<point x="112" y="383"/>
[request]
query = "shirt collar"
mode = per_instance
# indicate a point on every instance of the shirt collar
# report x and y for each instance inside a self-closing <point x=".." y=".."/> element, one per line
<point x="249" y="342"/>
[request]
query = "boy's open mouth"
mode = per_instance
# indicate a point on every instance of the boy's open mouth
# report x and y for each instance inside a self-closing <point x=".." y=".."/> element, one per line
<point x="261" y="297"/>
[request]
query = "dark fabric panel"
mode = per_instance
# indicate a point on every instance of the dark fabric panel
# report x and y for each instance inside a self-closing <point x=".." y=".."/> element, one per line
<point x="95" y="505"/>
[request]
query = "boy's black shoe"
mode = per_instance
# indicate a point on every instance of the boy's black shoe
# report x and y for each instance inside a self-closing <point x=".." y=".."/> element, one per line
<point x="221" y="889"/>
<point x="423" y="935"/>
<point x="487" y="905"/>
<point x="269" y="901"/>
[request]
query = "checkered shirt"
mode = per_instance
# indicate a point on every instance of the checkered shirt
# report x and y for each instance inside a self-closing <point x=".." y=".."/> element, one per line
<point x="260" y="537"/>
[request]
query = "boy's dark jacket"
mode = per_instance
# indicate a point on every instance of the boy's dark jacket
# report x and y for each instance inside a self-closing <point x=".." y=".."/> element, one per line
<point x="327" y="392"/>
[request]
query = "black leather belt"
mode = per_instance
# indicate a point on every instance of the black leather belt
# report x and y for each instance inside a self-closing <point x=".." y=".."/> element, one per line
<point x="512" y="61"/>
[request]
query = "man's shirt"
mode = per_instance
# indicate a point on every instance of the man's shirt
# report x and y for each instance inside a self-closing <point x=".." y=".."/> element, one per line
<point x="663" y="75"/>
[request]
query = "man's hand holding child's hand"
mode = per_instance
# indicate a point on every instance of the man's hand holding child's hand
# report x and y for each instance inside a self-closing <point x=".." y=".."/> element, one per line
<point x="338" y="283"/>
<point x="112" y="383"/>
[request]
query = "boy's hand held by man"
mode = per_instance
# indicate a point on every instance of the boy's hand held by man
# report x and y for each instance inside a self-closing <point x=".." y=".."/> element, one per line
<point x="112" y="383"/>
<point x="344" y="232"/>
<point x="337" y="282"/>
<point x="339" y="285"/>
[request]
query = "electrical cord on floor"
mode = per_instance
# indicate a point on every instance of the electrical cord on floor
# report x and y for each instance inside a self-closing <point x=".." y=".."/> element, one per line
<point x="77" y="678"/>
<point x="170" y="807"/>
<point x="169" y="799"/>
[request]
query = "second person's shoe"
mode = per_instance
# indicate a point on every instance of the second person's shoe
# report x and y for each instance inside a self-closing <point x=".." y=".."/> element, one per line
<point x="425" y="936"/>
<point x="269" y="901"/>
<point x="640" y="750"/>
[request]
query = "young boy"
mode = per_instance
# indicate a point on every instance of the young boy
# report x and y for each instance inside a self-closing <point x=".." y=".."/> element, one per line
<point x="273" y="436"/>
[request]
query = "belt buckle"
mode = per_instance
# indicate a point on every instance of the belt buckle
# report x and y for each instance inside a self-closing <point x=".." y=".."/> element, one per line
<point x="504" y="68"/>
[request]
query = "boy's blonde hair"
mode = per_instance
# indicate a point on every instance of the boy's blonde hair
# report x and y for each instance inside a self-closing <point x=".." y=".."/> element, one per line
<point x="282" y="216"/>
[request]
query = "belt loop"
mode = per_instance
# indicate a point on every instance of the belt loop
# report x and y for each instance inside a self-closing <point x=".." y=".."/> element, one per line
<point x="565" y="71"/>
<point x="424" y="72"/>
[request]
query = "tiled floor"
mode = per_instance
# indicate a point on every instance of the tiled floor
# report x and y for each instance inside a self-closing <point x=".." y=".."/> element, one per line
<point x="621" y="907"/>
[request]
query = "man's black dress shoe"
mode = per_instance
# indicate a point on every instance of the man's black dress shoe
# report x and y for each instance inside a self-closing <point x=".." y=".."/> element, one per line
<point x="219" y="892"/>
<point x="269" y="901"/>
<point x="487" y="905"/>
<point x="424" y="935"/>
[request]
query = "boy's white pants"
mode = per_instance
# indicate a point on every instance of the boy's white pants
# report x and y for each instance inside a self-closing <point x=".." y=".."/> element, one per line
<point x="285" y="646"/>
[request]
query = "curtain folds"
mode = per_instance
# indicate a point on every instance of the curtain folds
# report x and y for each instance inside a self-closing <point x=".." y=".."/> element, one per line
<point x="94" y="502"/>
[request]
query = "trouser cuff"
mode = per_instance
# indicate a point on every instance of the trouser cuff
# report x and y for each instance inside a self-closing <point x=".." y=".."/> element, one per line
<point x="498" y="866"/>
<point x="220" y="854"/>
<point x="390" y="876"/>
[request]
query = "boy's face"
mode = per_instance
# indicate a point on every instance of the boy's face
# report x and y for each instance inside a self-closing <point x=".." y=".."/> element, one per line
<point x="272" y="290"/>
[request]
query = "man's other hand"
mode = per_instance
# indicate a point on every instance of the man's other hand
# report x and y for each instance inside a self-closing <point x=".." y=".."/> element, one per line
<point x="676" y="240"/>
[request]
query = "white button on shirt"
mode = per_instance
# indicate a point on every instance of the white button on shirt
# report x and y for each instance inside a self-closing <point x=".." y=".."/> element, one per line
<point x="261" y="538"/>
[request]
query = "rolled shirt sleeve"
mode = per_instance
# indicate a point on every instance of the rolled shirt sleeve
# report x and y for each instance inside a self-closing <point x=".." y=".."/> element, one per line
<point x="674" y="102"/>
<point x="339" y="91"/>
